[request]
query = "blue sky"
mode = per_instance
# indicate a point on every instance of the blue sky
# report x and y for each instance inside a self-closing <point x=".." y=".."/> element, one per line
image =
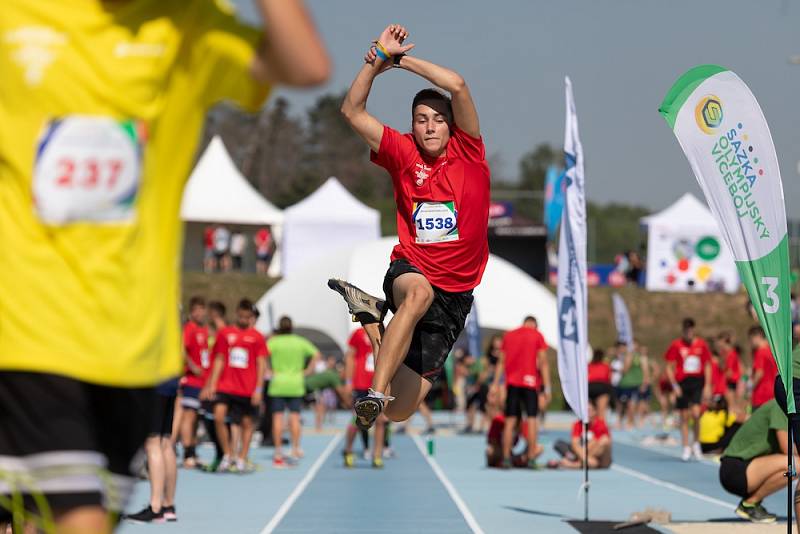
<point x="622" y="57"/>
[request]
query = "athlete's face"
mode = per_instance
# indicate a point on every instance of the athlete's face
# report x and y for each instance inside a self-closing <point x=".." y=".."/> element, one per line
<point x="244" y="318"/>
<point x="199" y="314"/>
<point x="430" y="129"/>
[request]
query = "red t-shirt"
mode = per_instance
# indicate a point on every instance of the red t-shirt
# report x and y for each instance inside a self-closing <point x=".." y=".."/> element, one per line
<point x="733" y="367"/>
<point x="599" y="372"/>
<point x="597" y="429"/>
<point x="495" y="434"/>
<point x="262" y="241"/>
<point x="240" y="348"/>
<point x="718" y="381"/>
<point x="195" y="343"/>
<point x="363" y="360"/>
<point x="690" y="358"/>
<point x="208" y="237"/>
<point x="442" y="207"/>
<point x="764" y="390"/>
<point x="521" y="347"/>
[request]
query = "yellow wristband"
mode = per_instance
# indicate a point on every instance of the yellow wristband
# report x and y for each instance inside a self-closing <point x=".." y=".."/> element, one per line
<point x="382" y="48"/>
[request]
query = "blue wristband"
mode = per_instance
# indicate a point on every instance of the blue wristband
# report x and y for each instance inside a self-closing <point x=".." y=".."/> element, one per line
<point x="380" y="54"/>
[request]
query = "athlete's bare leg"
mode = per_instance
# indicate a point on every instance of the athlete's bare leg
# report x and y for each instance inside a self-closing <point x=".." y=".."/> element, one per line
<point x="156" y="471"/>
<point x="413" y="296"/>
<point x="236" y="439"/>
<point x="277" y="433"/>
<point x="220" y="413"/>
<point x="170" y="471"/>
<point x="247" y="436"/>
<point x="294" y="433"/>
<point x="188" y="430"/>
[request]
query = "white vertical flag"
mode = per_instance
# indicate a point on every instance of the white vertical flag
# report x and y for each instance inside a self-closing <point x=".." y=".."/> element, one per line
<point x="622" y="320"/>
<point x="571" y="291"/>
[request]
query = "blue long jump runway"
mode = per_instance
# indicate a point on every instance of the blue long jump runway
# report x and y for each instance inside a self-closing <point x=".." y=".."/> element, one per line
<point x="405" y="496"/>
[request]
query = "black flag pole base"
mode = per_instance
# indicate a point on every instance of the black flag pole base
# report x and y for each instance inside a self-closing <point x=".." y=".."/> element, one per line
<point x="790" y="474"/>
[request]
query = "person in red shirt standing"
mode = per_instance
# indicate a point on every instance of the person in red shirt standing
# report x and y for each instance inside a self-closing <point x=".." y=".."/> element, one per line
<point x="359" y="369"/>
<point x="524" y="360"/>
<point x="441" y="188"/>
<point x="209" y="261"/>
<point x="263" y="243"/>
<point x="600" y="388"/>
<point x="764" y="368"/>
<point x="734" y="393"/>
<point x="195" y="347"/>
<point x="240" y="361"/>
<point x="689" y="370"/>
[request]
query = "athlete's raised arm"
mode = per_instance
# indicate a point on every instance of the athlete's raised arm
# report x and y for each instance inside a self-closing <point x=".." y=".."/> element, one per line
<point x="464" y="113"/>
<point x="354" y="107"/>
<point x="292" y="53"/>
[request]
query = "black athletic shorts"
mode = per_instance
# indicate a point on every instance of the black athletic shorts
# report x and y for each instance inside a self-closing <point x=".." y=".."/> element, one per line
<point x="293" y="404"/>
<point x="521" y="399"/>
<point x="437" y="331"/>
<point x="479" y="397"/>
<point x="238" y="407"/>
<point x="598" y="389"/>
<point x="163" y="415"/>
<point x="691" y="392"/>
<point x="733" y="475"/>
<point x="68" y="436"/>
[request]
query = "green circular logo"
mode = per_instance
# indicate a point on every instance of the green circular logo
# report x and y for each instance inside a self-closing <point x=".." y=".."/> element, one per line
<point x="707" y="248"/>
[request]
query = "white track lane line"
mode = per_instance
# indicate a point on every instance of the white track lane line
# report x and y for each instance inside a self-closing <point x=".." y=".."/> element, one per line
<point x="669" y="485"/>
<point x="300" y="488"/>
<point x="459" y="502"/>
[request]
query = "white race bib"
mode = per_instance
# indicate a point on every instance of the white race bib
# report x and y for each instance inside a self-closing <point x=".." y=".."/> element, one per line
<point x="369" y="363"/>
<point x="205" y="362"/>
<point x="435" y="222"/>
<point x="691" y="364"/>
<point x="87" y="169"/>
<point x="238" y="358"/>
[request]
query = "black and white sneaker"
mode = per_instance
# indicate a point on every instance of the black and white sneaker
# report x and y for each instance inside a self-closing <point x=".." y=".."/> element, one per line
<point x="369" y="408"/>
<point x="755" y="513"/>
<point x="364" y="307"/>
<point x="170" y="514"/>
<point x="147" y="515"/>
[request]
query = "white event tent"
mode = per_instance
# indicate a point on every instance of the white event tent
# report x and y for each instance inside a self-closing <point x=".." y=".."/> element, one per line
<point x="686" y="251"/>
<point x="506" y="294"/>
<point x="329" y="220"/>
<point x="218" y="193"/>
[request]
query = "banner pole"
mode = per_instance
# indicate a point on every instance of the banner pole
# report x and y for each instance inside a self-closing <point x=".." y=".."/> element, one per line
<point x="789" y="474"/>
<point x="585" y="472"/>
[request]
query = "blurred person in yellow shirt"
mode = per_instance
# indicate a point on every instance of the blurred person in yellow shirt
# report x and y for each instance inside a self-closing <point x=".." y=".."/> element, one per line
<point x="101" y="109"/>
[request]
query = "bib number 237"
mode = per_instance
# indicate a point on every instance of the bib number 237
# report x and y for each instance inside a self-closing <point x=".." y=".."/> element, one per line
<point x="435" y="222"/>
<point x="87" y="169"/>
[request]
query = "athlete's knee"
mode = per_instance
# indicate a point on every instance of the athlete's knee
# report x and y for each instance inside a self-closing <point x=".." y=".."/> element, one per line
<point x="418" y="298"/>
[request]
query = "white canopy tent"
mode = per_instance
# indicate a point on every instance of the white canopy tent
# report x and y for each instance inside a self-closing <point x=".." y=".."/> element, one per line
<point x="685" y="250"/>
<point x="217" y="192"/>
<point x="506" y="294"/>
<point x="327" y="221"/>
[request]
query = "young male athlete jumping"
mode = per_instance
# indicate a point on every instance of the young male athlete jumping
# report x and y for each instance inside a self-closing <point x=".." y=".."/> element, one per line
<point x="441" y="188"/>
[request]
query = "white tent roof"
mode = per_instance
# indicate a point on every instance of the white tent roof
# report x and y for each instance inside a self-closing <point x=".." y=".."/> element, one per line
<point x="505" y="296"/>
<point x="331" y="202"/>
<point x="217" y="192"/>
<point x="327" y="221"/>
<point x="686" y="211"/>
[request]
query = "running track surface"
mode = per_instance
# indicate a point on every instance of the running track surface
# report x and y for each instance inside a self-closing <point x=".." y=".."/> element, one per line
<point x="408" y="495"/>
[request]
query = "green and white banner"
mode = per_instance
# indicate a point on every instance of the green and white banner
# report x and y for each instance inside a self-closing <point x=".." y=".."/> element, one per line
<point x="725" y="136"/>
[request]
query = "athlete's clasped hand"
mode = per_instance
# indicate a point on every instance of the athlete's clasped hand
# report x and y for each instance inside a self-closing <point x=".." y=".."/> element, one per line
<point x="391" y="40"/>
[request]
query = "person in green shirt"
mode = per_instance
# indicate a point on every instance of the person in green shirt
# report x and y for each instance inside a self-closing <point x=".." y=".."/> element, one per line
<point x="753" y="465"/>
<point x="633" y="389"/>
<point x="292" y="358"/>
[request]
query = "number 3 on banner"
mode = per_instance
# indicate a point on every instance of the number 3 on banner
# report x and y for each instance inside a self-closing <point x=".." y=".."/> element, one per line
<point x="774" y="302"/>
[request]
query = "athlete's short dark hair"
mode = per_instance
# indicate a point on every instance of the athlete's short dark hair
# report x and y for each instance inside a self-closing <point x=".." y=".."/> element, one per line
<point x="756" y="331"/>
<point x="246" y="304"/>
<point x="218" y="307"/>
<point x="531" y="319"/>
<point x="196" y="301"/>
<point x="688" y="323"/>
<point x="285" y="325"/>
<point x="436" y="100"/>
